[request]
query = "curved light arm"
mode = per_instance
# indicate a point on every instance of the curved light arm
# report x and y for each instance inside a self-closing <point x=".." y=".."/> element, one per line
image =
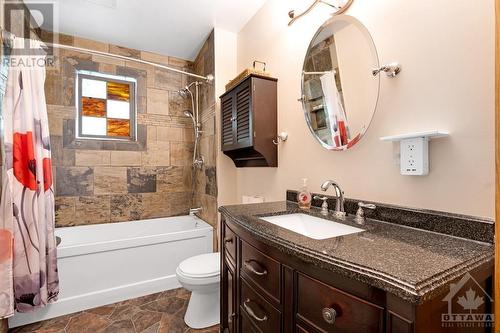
<point x="340" y="10"/>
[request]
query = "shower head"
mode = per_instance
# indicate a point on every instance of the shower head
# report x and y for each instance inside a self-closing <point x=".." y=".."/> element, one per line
<point x="188" y="113"/>
<point x="186" y="92"/>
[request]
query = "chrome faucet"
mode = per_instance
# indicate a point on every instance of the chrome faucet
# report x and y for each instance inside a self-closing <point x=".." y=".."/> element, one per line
<point x="339" y="211"/>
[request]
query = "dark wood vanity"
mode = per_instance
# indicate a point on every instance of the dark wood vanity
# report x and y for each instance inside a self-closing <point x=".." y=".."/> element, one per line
<point x="268" y="289"/>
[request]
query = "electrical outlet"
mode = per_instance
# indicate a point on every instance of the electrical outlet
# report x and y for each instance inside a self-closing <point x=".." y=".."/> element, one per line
<point x="415" y="156"/>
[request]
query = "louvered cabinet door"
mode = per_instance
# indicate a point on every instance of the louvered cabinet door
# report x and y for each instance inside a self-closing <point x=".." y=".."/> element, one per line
<point x="249" y="122"/>
<point x="243" y="115"/>
<point x="228" y="125"/>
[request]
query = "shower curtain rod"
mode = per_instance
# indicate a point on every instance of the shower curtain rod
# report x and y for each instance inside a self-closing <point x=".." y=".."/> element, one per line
<point x="8" y="36"/>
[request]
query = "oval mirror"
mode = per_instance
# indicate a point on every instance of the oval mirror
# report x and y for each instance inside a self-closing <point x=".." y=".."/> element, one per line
<point x="339" y="91"/>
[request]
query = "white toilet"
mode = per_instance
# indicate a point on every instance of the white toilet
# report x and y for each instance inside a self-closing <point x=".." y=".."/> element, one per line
<point x="201" y="275"/>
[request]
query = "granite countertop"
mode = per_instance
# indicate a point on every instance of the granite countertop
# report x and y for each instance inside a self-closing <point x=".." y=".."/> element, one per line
<point x="411" y="263"/>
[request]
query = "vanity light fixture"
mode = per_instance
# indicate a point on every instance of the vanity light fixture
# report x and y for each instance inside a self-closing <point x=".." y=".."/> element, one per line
<point x="339" y="9"/>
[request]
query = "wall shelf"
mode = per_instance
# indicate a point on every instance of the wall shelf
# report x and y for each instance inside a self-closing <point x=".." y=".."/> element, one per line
<point x="426" y="134"/>
<point x="414" y="150"/>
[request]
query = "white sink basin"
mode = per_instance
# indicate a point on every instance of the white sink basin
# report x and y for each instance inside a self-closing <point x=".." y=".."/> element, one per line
<point x="311" y="226"/>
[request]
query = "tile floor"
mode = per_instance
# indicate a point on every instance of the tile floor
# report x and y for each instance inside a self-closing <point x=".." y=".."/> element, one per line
<point x="157" y="313"/>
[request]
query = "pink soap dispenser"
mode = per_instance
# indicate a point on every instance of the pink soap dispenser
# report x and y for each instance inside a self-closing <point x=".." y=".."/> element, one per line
<point x="304" y="197"/>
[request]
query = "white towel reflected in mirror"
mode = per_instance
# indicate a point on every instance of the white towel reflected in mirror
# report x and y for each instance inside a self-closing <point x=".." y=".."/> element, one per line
<point x="335" y="113"/>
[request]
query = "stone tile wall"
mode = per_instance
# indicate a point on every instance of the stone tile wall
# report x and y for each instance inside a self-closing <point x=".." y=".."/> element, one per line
<point x="103" y="181"/>
<point x="206" y="181"/>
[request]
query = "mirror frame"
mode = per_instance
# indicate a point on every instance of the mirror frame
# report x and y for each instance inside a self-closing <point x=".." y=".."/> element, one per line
<point x="373" y="48"/>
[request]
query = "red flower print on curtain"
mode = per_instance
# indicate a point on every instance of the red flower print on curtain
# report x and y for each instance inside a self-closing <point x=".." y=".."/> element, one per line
<point x="25" y="163"/>
<point x="47" y="174"/>
<point x="24" y="160"/>
<point x="28" y="254"/>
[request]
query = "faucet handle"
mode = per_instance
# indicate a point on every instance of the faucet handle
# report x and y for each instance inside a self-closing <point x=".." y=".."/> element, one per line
<point x="360" y="214"/>
<point x="369" y="206"/>
<point x="324" y="206"/>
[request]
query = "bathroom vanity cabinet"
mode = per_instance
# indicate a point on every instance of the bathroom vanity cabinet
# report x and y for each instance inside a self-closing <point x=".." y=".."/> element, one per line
<point x="267" y="290"/>
<point x="249" y="122"/>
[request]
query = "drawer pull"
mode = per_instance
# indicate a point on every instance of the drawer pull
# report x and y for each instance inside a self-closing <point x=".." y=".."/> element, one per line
<point x="228" y="240"/>
<point x="252" y="269"/>
<point x="329" y="315"/>
<point x="250" y="312"/>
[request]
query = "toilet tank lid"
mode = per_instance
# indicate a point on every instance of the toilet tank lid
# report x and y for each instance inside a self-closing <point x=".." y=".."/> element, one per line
<point x="207" y="264"/>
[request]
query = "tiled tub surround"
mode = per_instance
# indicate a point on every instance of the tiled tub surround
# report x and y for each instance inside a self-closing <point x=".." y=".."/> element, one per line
<point x="206" y="182"/>
<point x="156" y="313"/>
<point x="107" y="181"/>
<point x="411" y="263"/>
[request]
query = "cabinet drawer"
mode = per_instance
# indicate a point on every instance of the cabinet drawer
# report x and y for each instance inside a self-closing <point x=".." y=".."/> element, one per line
<point x="258" y="311"/>
<point x="300" y="329"/>
<point x="230" y="243"/>
<point x="246" y="324"/>
<point x="261" y="269"/>
<point x="333" y="310"/>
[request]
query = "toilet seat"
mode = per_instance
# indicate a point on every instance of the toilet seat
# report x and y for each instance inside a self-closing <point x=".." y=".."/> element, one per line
<point x="202" y="266"/>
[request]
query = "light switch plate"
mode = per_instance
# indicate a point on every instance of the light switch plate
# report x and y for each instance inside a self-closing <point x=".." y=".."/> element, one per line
<point x="415" y="156"/>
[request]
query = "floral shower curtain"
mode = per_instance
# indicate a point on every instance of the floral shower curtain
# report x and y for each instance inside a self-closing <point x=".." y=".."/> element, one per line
<point x="28" y="267"/>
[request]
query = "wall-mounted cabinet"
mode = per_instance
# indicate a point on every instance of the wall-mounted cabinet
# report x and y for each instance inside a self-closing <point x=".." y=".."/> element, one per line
<point x="249" y="122"/>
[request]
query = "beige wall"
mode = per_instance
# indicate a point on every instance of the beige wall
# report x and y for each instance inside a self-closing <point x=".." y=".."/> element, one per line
<point x="225" y="70"/>
<point x="446" y="49"/>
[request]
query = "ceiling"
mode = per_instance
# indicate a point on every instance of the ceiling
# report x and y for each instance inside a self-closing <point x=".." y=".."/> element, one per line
<point x="169" y="27"/>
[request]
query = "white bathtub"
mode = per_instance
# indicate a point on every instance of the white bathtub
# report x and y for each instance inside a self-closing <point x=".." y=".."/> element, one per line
<point x="106" y="263"/>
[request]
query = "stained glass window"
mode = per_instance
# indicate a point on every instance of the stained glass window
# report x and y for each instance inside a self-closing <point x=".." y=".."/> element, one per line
<point x="106" y="106"/>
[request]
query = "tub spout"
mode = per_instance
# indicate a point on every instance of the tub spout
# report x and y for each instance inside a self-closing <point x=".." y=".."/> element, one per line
<point x="193" y="211"/>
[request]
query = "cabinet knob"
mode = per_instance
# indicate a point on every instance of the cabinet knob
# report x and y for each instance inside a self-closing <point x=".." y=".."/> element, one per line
<point x="233" y="118"/>
<point x="329" y="315"/>
<point x="228" y="240"/>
